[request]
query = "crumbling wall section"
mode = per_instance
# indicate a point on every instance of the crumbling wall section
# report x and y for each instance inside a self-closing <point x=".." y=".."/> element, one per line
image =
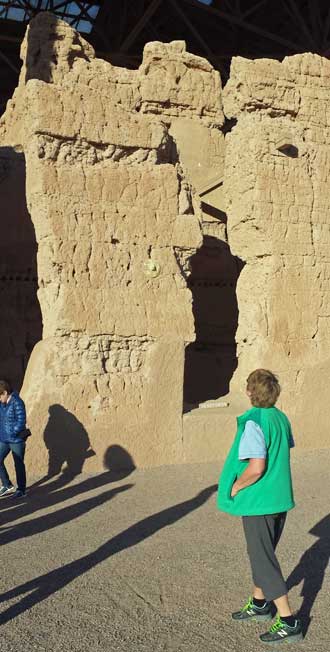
<point x="117" y="162"/>
<point x="185" y="91"/>
<point x="116" y="222"/>
<point x="276" y="185"/>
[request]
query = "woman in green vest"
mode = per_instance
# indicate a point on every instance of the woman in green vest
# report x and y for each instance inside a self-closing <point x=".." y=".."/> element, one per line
<point x="256" y="484"/>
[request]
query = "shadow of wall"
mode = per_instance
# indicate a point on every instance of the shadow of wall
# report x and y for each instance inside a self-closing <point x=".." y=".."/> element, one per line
<point x="211" y="360"/>
<point x="21" y="323"/>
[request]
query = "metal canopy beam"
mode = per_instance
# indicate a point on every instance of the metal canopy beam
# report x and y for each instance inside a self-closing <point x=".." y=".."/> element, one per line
<point x="326" y="29"/>
<point x="132" y="36"/>
<point x="227" y="28"/>
<point x="240" y="22"/>
<point x="316" y="20"/>
<point x="9" y="63"/>
<point x="85" y="14"/>
<point x="295" y="13"/>
<point x="191" y="28"/>
<point x="248" y="12"/>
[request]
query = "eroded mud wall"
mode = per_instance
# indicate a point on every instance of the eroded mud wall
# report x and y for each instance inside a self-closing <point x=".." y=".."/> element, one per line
<point x="117" y="163"/>
<point x="116" y="222"/>
<point x="278" y="202"/>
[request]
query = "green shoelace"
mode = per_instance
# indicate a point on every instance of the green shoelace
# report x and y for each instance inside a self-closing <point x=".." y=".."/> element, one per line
<point x="248" y="605"/>
<point x="277" y="625"/>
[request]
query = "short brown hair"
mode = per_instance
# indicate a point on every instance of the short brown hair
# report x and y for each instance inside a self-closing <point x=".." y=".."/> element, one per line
<point x="264" y="388"/>
<point x="5" y="386"/>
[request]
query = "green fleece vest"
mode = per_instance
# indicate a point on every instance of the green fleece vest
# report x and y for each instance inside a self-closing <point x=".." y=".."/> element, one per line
<point x="272" y="493"/>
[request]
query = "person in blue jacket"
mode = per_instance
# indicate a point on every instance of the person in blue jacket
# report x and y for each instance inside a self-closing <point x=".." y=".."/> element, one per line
<point x="12" y="425"/>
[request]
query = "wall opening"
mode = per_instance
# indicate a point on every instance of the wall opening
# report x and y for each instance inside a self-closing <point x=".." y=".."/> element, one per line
<point x="211" y="360"/>
<point x="20" y="322"/>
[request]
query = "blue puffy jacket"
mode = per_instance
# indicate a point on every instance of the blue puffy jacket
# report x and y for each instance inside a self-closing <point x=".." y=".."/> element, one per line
<point x="12" y="419"/>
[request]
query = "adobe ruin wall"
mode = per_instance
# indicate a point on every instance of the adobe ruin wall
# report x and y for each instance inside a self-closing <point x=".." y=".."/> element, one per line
<point x="116" y="222"/>
<point x="277" y="173"/>
<point x="129" y="177"/>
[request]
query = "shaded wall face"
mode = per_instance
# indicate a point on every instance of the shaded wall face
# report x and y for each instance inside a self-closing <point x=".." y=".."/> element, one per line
<point x="211" y="359"/>
<point x="277" y="171"/>
<point x="21" y="323"/>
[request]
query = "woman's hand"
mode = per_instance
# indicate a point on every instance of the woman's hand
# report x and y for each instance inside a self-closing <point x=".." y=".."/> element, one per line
<point x="234" y="490"/>
<point x="252" y="474"/>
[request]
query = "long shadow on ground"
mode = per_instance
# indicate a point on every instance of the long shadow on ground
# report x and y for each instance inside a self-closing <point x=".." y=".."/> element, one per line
<point x="46" y="498"/>
<point x="55" y="491"/>
<point x="311" y="570"/>
<point x="45" y="585"/>
<point x="54" y="519"/>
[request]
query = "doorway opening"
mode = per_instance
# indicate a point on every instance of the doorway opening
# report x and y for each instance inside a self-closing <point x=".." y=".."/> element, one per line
<point x="211" y="360"/>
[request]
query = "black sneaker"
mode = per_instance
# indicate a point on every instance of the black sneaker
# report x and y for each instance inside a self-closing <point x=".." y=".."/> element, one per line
<point x="280" y="632"/>
<point x="251" y="612"/>
<point x="19" y="493"/>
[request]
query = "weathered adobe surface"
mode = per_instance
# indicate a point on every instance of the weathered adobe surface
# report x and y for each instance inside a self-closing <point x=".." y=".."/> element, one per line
<point x="277" y="191"/>
<point x="113" y="157"/>
<point x="116" y="222"/>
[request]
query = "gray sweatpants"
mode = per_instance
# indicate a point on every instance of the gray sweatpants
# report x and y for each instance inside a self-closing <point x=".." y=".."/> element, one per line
<point x="262" y="535"/>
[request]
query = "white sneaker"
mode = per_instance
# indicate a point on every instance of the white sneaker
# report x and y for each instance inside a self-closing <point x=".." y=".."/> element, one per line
<point x="6" y="491"/>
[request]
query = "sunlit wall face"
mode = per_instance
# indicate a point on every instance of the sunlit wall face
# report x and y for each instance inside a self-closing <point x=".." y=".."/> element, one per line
<point x="80" y="16"/>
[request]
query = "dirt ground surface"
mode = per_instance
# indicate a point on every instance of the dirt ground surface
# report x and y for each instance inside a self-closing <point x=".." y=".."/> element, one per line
<point x="147" y="563"/>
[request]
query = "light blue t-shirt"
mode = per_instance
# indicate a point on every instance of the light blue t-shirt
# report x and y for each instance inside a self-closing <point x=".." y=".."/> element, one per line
<point x="252" y="444"/>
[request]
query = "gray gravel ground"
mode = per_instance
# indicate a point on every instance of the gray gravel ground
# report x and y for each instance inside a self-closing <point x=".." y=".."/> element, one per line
<point x="147" y="563"/>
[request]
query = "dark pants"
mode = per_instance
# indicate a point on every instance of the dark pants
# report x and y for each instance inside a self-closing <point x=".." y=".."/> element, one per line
<point x="262" y="535"/>
<point x="18" y="451"/>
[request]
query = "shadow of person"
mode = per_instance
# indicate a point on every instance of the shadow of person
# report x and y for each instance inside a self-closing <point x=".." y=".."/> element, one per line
<point x="311" y="569"/>
<point x="68" y="445"/>
<point x="118" y="461"/>
<point x="45" y="585"/>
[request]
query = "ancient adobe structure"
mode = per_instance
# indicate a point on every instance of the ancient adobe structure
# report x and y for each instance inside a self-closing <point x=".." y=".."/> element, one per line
<point x="148" y="209"/>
